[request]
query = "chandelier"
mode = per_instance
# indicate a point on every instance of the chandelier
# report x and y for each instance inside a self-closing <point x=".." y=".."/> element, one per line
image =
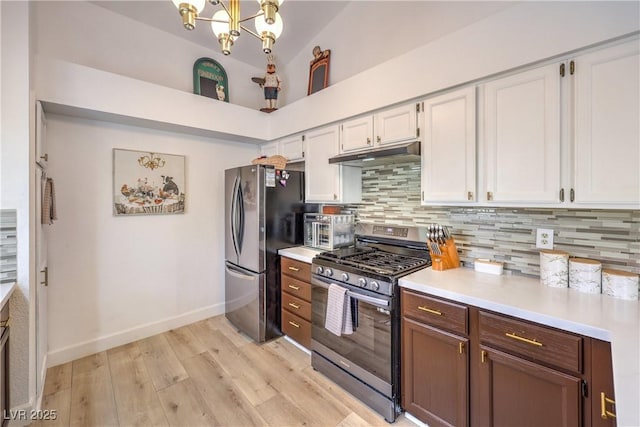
<point x="226" y="23"/>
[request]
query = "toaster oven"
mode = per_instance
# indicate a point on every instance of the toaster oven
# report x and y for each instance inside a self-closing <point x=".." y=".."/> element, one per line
<point x="328" y="232"/>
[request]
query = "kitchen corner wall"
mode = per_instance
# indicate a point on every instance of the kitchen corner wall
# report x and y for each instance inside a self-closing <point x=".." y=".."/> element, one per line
<point x="391" y="194"/>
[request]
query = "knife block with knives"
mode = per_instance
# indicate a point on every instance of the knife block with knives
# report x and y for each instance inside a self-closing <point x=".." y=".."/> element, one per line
<point x="442" y="247"/>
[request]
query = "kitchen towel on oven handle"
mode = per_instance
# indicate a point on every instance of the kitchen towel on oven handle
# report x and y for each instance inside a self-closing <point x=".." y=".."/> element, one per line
<point x="338" y="318"/>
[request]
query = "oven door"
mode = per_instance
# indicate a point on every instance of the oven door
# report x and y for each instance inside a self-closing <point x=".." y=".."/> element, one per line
<point x="367" y="352"/>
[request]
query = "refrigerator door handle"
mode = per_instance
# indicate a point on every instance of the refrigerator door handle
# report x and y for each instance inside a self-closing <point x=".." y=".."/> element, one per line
<point x="234" y="216"/>
<point x="240" y="233"/>
<point x="234" y="271"/>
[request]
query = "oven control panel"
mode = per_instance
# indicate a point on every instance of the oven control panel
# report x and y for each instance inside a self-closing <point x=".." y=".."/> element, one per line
<point x="354" y="279"/>
<point x="389" y="231"/>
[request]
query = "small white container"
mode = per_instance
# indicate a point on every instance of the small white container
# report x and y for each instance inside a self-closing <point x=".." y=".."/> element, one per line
<point x="620" y="284"/>
<point x="585" y="275"/>
<point x="554" y="268"/>
<point x="487" y="266"/>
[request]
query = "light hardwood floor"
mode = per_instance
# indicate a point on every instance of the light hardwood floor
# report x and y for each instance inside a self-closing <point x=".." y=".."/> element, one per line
<point x="203" y="374"/>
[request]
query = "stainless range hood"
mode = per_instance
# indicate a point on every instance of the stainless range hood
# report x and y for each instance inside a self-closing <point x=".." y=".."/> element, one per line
<point x="385" y="155"/>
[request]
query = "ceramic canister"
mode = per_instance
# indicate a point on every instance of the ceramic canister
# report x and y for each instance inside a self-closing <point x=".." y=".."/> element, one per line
<point x="585" y="275"/>
<point x="554" y="268"/>
<point x="620" y="284"/>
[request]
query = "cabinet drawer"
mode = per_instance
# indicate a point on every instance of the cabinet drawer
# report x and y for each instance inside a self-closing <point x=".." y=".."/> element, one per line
<point x="296" y="287"/>
<point x="536" y="342"/>
<point x="297" y="269"/>
<point x="296" y="306"/>
<point x="296" y="328"/>
<point x="432" y="311"/>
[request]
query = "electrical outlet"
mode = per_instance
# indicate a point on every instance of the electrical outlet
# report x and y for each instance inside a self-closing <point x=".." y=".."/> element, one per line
<point x="544" y="238"/>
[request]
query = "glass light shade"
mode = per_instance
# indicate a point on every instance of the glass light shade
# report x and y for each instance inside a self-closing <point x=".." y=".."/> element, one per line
<point x="220" y="27"/>
<point x="198" y="4"/>
<point x="275" y="28"/>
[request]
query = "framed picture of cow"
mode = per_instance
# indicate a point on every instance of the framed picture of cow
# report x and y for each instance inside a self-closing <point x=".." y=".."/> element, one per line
<point x="147" y="183"/>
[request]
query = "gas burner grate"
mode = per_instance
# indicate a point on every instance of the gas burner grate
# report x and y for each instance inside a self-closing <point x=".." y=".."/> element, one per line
<point x="384" y="262"/>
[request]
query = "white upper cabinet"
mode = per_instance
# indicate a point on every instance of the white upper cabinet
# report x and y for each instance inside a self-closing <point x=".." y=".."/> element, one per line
<point x="449" y="148"/>
<point x="522" y="138"/>
<point x="292" y="148"/>
<point x="269" y="149"/>
<point x="326" y="183"/>
<point x="396" y="124"/>
<point x="356" y="134"/>
<point x="606" y="141"/>
<point x="390" y="126"/>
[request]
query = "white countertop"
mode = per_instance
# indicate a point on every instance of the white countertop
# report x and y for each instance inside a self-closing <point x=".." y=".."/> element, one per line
<point x="597" y="316"/>
<point x="300" y="253"/>
<point x="6" y="289"/>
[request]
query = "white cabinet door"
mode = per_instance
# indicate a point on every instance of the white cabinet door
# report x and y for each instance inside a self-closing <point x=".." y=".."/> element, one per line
<point x="292" y="148"/>
<point x="269" y="149"/>
<point x="356" y="134"/>
<point x="41" y="274"/>
<point x="449" y="147"/>
<point x="42" y="157"/>
<point x="607" y="126"/>
<point x="522" y="137"/>
<point x="325" y="183"/>
<point x="396" y="124"/>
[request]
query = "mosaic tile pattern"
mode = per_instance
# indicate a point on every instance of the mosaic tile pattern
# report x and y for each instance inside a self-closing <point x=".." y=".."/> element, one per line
<point x="391" y="194"/>
<point x="8" y="246"/>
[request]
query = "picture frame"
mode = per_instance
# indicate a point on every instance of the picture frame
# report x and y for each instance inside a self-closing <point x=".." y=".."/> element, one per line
<point x="147" y="183"/>
<point x="210" y="79"/>
<point x="319" y="70"/>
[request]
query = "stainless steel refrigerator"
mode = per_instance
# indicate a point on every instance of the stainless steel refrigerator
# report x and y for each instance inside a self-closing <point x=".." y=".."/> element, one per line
<point x="264" y="210"/>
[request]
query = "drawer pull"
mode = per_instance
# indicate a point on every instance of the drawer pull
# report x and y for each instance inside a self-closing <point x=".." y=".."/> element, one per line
<point x="295" y="288"/>
<point x="429" y="310"/>
<point x="527" y="340"/>
<point x="294" y="324"/>
<point x="604" y="414"/>
<point x="294" y="305"/>
<point x="294" y="269"/>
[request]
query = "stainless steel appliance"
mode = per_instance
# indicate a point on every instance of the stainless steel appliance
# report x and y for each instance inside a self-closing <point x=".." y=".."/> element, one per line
<point x="264" y="209"/>
<point x="367" y="362"/>
<point x="324" y="231"/>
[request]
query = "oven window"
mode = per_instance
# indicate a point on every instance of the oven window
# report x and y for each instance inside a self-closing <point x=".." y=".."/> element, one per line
<point x="370" y="344"/>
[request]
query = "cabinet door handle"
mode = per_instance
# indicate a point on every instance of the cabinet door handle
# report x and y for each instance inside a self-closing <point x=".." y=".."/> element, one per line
<point x="368" y="141"/>
<point x="604" y="414"/>
<point x="429" y="310"/>
<point x="5" y="323"/>
<point x="45" y="157"/>
<point x="527" y="340"/>
<point x="378" y="139"/>
<point x="572" y="195"/>
<point x="294" y="324"/>
<point x="295" y="288"/>
<point x="562" y="194"/>
<point x="296" y="306"/>
<point x="46" y="276"/>
<point x="483" y="356"/>
<point x="294" y="269"/>
<point x="489" y="195"/>
<point x="469" y="195"/>
<point x="460" y="347"/>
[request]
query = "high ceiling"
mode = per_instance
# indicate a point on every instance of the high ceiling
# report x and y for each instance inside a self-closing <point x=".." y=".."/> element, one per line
<point x="305" y="19"/>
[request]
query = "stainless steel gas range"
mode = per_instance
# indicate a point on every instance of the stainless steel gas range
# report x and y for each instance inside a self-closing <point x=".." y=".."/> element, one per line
<point x="366" y="362"/>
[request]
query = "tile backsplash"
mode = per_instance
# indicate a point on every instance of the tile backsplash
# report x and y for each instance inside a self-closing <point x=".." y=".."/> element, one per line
<point x="391" y="194"/>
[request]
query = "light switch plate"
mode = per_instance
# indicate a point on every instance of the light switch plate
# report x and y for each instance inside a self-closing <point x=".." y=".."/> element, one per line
<point x="544" y="238"/>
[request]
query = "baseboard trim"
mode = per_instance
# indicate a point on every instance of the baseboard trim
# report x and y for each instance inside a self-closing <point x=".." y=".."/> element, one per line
<point x="73" y="352"/>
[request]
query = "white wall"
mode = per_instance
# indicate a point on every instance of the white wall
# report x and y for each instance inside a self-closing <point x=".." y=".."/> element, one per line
<point x="80" y="32"/>
<point x="14" y="185"/>
<point x="117" y="279"/>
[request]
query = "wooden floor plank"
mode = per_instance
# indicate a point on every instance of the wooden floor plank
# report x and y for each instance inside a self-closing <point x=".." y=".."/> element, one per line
<point x="227" y="402"/>
<point x="184" y="342"/>
<point x="161" y="361"/>
<point x="135" y="396"/>
<point x="58" y="378"/>
<point x="255" y="387"/>
<point x="60" y="402"/>
<point x="280" y="411"/>
<point x="92" y="401"/>
<point x="183" y="405"/>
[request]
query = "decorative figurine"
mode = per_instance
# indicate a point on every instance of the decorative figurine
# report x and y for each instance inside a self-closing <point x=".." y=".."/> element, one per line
<point x="271" y="85"/>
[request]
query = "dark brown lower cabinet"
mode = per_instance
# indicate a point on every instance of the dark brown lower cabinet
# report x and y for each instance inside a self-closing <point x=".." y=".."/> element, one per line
<point x="603" y="406"/>
<point x="517" y="392"/>
<point x="435" y="374"/>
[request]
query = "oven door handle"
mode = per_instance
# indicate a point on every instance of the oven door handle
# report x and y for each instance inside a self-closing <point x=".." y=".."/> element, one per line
<point x="379" y="302"/>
